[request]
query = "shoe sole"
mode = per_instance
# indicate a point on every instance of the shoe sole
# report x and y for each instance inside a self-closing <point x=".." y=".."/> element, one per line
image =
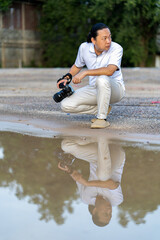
<point x="94" y="119"/>
<point x="99" y="126"/>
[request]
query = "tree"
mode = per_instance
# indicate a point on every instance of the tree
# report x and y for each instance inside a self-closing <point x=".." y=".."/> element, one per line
<point x="4" y="5"/>
<point x="64" y="26"/>
<point x="138" y="31"/>
<point x="133" y="23"/>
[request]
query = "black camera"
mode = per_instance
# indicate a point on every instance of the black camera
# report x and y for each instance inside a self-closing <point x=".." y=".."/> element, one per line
<point x="66" y="91"/>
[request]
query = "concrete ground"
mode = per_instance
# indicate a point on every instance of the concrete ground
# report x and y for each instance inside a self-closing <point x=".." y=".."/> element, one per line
<point x="26" y="98"/>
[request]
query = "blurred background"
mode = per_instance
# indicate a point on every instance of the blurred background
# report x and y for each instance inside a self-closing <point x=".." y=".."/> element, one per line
<point x="47" y="33"/>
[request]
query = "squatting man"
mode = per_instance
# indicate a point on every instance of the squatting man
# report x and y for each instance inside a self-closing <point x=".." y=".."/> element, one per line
<point x="102" y="58"/>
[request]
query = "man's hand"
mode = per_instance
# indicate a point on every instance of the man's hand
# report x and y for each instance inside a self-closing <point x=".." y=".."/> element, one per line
<point x="64" y="81"/>
<point x="74" y="174"/>
<point x="77" y="78"/>
<point x="65" y="168"/>
<point x="111" y="184"/>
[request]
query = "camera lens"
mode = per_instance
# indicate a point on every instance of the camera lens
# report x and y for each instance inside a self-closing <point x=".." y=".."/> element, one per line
<point x="59" y="96"/>
<point x="65" y="92"/>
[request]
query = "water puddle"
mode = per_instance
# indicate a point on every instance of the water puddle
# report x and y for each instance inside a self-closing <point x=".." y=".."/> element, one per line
<point x="78" y="188"/>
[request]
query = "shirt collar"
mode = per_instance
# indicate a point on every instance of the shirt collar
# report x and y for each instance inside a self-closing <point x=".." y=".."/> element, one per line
<point x="92" y="50"/>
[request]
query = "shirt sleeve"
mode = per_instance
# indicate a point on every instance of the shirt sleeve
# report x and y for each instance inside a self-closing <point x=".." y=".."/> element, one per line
<point x="80" y="60"/>
<point x="116" y="57"/>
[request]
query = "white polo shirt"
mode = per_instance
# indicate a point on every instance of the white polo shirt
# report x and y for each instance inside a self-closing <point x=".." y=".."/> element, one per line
<point x="87" y="56"/>
<point x="89" y="194"/>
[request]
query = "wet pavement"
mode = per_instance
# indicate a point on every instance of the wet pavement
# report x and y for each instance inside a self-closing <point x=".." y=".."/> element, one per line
<point x="26" y="97"/>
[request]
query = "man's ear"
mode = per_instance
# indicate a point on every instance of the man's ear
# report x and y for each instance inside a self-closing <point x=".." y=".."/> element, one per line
<point x="91" y="208"/>
<point x="93" y="40"/>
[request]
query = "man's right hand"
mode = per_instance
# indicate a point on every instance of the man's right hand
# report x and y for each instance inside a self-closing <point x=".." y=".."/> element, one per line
<point x="64" y="81"/>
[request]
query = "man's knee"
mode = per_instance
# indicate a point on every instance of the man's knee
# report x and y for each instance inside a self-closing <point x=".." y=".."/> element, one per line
<point x="103" y="81"/>
<point x="65" y="145"/>
<point x="64" y="105"/>
<point x="67" y="105"/>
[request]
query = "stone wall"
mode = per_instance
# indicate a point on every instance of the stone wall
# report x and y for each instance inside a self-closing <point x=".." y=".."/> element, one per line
<point x="19" y="36"/>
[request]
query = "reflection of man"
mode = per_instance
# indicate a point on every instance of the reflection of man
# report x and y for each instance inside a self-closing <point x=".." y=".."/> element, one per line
<point x="102" y="190"/>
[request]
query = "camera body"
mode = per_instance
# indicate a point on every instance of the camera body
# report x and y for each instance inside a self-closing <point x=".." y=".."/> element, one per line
<point x="66" y="161"/>
<point x="66" y="91"/>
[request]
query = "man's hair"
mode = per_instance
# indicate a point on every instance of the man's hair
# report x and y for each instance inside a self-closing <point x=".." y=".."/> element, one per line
<point x="93" y="33"/>
<point x="97" y="222"/>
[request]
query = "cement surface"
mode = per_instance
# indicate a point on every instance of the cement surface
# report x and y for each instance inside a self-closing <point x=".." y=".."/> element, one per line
<point x="26" y="98"/>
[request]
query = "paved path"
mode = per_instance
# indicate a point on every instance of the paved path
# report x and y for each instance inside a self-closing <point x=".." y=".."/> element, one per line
<point x="26" y="94"/>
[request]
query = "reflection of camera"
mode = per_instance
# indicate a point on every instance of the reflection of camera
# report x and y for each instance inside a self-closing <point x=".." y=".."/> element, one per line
<point x="66" y="161"/>
<point x="66" y="91"/>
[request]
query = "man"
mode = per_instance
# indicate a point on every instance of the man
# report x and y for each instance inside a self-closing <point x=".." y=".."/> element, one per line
<point x="102" y="57"/>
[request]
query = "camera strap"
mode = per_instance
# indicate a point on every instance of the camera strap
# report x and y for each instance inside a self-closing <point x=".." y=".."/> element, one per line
<point x="69" y="78"/>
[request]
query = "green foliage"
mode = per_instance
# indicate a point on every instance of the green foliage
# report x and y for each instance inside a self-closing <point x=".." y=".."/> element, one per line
<point x="64" y="26"/>
<point x="138" y="29"/>
<point x="133" y="24"/>
<point x="4" y="5"/>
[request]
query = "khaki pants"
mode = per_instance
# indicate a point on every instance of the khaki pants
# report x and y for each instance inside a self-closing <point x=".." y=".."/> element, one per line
<point x="107" y="158"/>
<point x="94" y="99"/>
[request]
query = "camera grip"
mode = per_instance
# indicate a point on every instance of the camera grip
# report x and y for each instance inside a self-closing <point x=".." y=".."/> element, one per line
<point x="69" y="79"/>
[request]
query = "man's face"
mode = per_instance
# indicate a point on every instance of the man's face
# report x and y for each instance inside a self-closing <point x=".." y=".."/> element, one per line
<point x="102" y="41"/>
<point x="103" y="210"/>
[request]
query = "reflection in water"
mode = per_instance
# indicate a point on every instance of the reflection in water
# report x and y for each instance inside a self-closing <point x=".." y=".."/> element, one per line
<point x="102" y="190"/>
<point x="141" y="180"/>
<point x="1" y="153"/>
<point x="28" y="167"/>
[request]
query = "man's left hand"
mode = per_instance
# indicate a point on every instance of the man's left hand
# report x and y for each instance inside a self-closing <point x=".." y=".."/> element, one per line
<point x="77" y="78"/>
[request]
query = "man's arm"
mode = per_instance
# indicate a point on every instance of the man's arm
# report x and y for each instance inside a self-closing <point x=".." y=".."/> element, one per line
<point x="73" y="71"/>
<point x="110" y="184"/>
<point x="108" y="71"/>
